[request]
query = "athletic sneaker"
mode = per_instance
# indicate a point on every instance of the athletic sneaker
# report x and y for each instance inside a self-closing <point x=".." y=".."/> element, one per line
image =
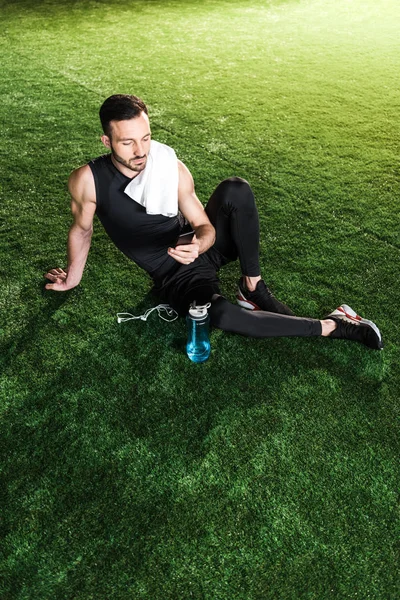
<point x="351" y="326"/>
<point x="261" y="299"/>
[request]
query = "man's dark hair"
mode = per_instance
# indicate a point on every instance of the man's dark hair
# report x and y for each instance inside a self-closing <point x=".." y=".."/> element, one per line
<point x="120" y="107"/>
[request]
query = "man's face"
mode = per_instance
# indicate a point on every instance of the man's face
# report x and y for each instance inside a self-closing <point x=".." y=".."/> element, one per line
<point x="130" y="142"/>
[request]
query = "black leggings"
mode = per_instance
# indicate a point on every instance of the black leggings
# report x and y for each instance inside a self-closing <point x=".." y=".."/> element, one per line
<point x="259" y="323"/>
<point x="233" y="212"/>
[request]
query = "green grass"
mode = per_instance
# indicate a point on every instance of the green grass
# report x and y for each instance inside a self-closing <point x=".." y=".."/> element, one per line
<point x="271" y="471"/>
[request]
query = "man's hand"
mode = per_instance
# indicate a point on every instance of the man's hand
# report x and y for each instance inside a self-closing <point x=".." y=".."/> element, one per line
<point x="59" y="279"/>
<point x="186" y="253"/>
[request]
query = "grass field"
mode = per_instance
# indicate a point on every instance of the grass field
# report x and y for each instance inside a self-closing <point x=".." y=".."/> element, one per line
<point x="271" y="471"/>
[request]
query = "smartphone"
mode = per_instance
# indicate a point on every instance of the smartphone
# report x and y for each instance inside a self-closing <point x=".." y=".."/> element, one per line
<point x="185" y="238"/>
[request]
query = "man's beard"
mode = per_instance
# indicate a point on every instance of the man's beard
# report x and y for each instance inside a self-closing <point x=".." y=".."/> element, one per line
<point x="129" y="164"/>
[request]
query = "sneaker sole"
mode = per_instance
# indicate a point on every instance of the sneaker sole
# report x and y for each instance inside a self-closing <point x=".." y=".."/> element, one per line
<point x="346" y="313"/>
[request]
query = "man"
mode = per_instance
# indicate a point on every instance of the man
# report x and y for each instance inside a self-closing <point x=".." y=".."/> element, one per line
<point x="145" y="198"/>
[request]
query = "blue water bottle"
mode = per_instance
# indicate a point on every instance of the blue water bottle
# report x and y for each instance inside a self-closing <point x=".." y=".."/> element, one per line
<point x="198" y="344"/>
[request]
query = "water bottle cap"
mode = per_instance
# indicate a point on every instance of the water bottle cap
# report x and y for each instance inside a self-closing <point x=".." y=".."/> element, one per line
<point x="198" y="312"/>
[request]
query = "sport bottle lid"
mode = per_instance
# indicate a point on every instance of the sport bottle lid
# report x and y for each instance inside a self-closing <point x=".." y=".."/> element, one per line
<point x="198" y="312"/>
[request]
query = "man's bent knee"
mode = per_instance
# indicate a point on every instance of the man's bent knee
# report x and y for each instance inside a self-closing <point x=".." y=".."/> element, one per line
<point x="233" y="184"/>
<point x="235" y="192"/>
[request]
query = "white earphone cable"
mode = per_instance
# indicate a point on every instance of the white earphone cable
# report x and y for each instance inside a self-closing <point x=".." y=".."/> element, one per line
<point x="171" y="314"/>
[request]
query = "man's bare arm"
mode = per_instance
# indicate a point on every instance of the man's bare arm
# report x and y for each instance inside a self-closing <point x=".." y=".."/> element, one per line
<point x="83" y="206"/>
<point x="193" y="210"/>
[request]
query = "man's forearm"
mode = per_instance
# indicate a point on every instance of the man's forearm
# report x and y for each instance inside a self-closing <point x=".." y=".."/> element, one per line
<point x="205" y="235"/>
<point x="79" y="241"/>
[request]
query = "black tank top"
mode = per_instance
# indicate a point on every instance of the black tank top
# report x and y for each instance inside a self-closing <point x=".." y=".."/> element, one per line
<point x="143" y="238"/>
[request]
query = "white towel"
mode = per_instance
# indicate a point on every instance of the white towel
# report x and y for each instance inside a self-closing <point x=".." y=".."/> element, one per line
<point x="156" y="187"/>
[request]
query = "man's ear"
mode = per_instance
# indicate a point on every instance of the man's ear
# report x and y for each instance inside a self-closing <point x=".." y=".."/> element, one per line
<point x="106" y="141"/>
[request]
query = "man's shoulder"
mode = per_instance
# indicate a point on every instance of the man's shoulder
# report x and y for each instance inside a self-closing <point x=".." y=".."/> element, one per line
<point x="82" y="173"/>
<point x="81" y="184"/>
<point x="184" y="173"/>
<point x="86" y="173"/>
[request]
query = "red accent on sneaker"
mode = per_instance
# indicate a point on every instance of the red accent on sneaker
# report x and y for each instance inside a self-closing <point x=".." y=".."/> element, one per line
<point x="351" y="317"/>
<point x="241" y="298"/>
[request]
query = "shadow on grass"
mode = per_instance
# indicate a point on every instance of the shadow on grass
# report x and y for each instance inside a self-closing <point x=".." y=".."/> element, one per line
<point x="96" y="460"/>
<point x="36" y="322"/>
